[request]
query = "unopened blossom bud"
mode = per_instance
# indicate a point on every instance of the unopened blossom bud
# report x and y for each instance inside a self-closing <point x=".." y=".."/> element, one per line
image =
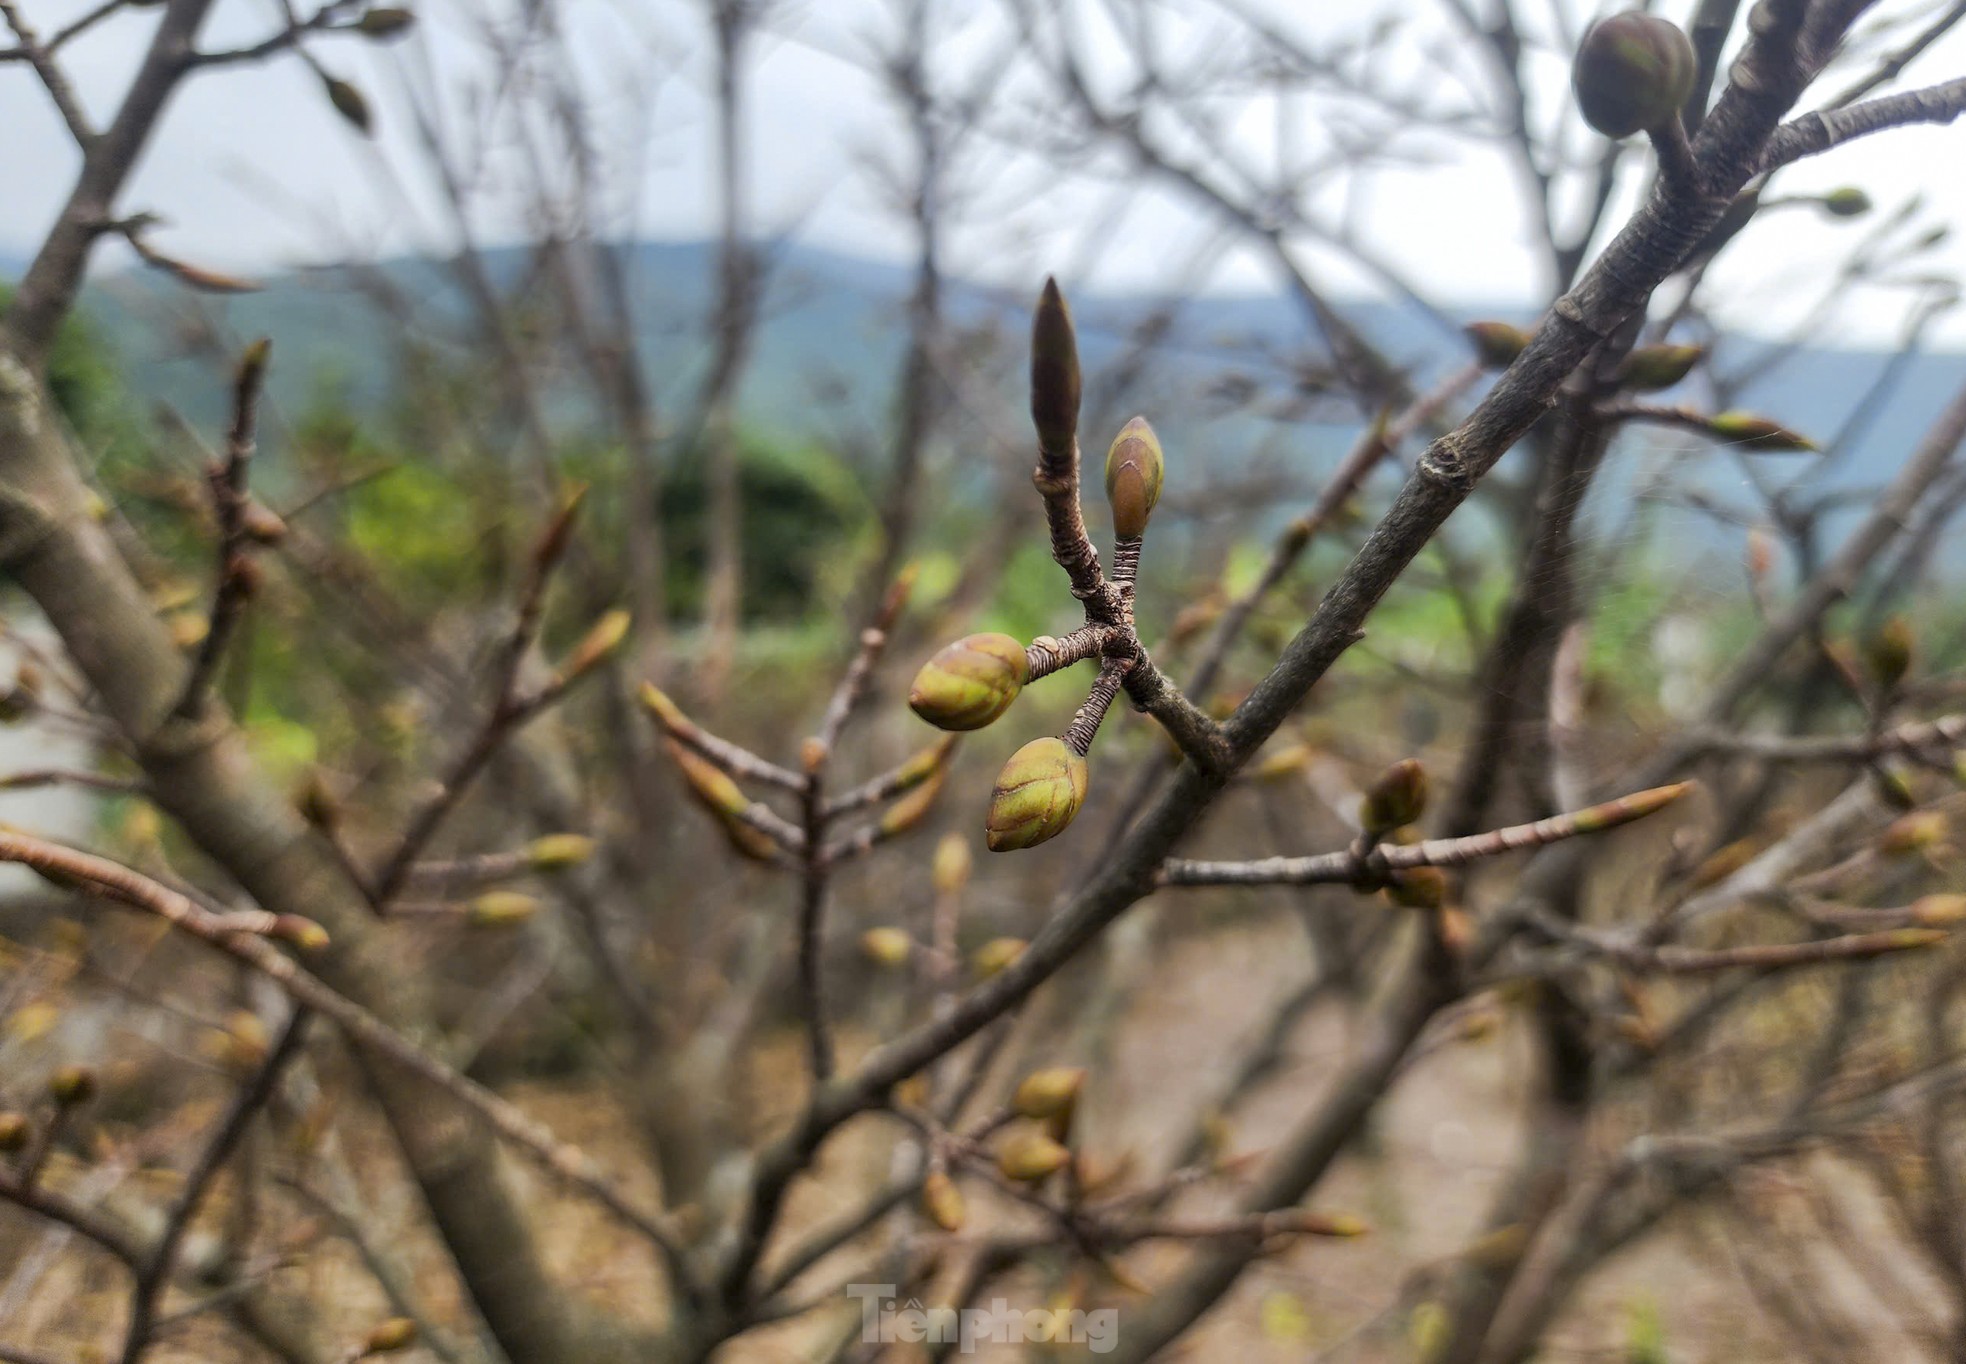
<point x="14" y="1131"/>
<point x="950" y="869"/>
<point x="1054" y="372"/>
<point x="1632" y="73"/>
<point x="72" y="1085"/>
<point x="350" y="103"/>
<point x="1038" y="794"/>
<point x="1912" y="833"/>
<point x="886" y="946"/>
<point x="1419" y="888"/>
<point x="1049" y="1093"/>
<point x="1650" y="368"/>
<point x="1939" y="911"/>
<point x="968" y="684"/>
<point x="597" y="645"/>
<point x="397" y="1333"/>
<point x="996" y="954"/>
<point x="1134" y="468"/>
<point x="1398" y="797"/>
<point x="1889" y="652"/>
<point x="558" y="852"/>
<point x="1758" y="433"/>
<point x="1496" y="344"/>
<point x="501" y="909"/>
<point x="1029" y="1156"/>
<point x="1847" y="202"/>
<point x="942" y="1200"/>
<point x="385" y="22"/>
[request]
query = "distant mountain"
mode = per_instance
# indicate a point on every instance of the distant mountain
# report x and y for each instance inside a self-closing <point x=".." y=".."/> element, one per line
<point x="831" y="344"/>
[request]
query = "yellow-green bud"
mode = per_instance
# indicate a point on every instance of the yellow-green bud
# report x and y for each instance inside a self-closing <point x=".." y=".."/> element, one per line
<point x="1054" y="372"/>
<point x="1633" y="72"/>
<point x="1038" y="794"/>
<point x="1912" y="833"/>
<point x="662" y="708"/>
<point x="996" y="954"/>
<point x="1134" y="468"/>
<point x="1030" y="1155"/>
<point x="949" y="871"/>
<point x="397" y="1333"/>
<point x="350" y="103"/>
<point x="1757" y="433"/>
<point x="501" y="909"/>
<point x="72" y="1085"/>
<point x="1892" y="787"/>
<point x="1650" y="368"/>
<point x="317" y="803"/>
<point x="261" y="524"/>
<point x="1419" y="888"/>
<point x="886" y="946"/>
<point x="913" y="807"/>
<point x="387" y="22"/>
<point x="971" y="682"/>
<point x="594" y="648"/>
<point x="942" y="1201"/>
<point x="14" y="1131"/>
<point x="710" y="784"/>
<point x="303" y="933"/>
<point x="1496" y="344"/>
<point x="1847" y="202"/>
<point x="1398" y="797"/>
<point x="1939" y="911"/>
<point x="1050" y="1096"/>
<point x="1889" y="652"/>
<point x="557" y="852"/>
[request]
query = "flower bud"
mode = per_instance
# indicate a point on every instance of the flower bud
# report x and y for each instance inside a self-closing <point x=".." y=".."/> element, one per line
<point x="1134" y="468"/>
<point x="1650" y="368"/>
<point x="949" y="871"/>
<point x="1633" y="72"/>
<point x="397" y="1333"/>
<point x="317" y="803"/>
<point x="996" y="954"/>
<point x="1496" y="344"/>
<point x="1939" y="911"/>
<point x="385" y="22"/>
<point x="1398" y="797"/>
<point x="1029" y="1156"/>
<point x="262" y="525"/>
<point x="1758" y="433"/>
<point x="305" y="934"/>
<point x="968" y="684"/>
<point x="350" y="103"/>
<point x="14" y="1132"/>
<point x="913" y="807"/>
<point x="710" y="784"/>
<point x="1050" y="1096"/>
<point x="1038" y="794"/>
<point x="1419" y="888"/>
<point x="597" y="645"/>
<point x="1054" y="372"/>
<point x="942" y="1201"/>
<point x="1847" y="202"/>
<point x="1889" y="652"/>
<point x="557" y="852"/>
<point x="501" y="909"/>
<point x="72" y="1085"/>
<point x="1892" y="787"/>
<point x="886" y="946"/>
<point x="1912" y="833"/>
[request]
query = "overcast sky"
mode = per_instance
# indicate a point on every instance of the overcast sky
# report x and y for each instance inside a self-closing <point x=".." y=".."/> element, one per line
<point x="253" y="170"/>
